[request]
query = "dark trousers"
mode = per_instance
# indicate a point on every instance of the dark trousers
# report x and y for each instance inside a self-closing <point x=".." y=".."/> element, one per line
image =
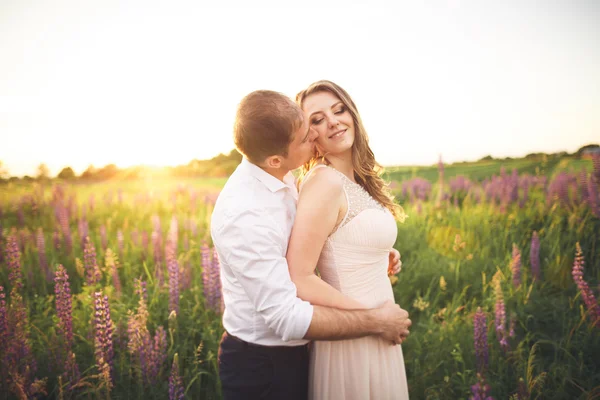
<point x="250" y="371"/>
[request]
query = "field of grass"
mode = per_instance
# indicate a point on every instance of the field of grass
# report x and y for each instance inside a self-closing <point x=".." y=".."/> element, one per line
<point x="157" y="333"/>
<point x="478" y="171"/>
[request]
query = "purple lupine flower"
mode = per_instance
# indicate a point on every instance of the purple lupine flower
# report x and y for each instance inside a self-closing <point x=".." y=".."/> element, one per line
<point x="586" y="293"/>
<point x="1" y="240"/>
<point x="480" y="338"/>
<point x="206" y="265"/>
<point x="16" y="357"/>
<point x="83" y="228"/>
<point x="596" y="166"/>
<point x="90" y="263"/>
<point x="214" y="284"/>
<point x="14" y="262"/>
<point x="480" y="390"/>
<point x="592" y="196"/>
<point x="3" y="324"/>
<point x="41" y="246"/>
<point x="175" y="382"/>
<point x="154" y="354"/>
<point x="63" y="221"/>
<point x="156" y="223"/>
<point x="559" y="189"/>
<point x="64" y="306"/>
<point x="103" y="237"/>
<point x="173" y="269"/>
<point x="515" y="266"/>
<point x="141" y="289"/>
<point x="582" y="186"/>
<point x="103" y="332"/>
<point x="158" y="268"/>
<point x="500" y="317"/>
<point x="514" y="186"/>
<point x="187" y="275"/>
<point x="534" y="256"/>
<point x="111" y="263"/>
<point x="416" y="189"/>
<point x="173" y="232"/>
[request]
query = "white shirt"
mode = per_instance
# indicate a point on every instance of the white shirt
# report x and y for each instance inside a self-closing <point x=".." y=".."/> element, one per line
<point x="250" y="227"/>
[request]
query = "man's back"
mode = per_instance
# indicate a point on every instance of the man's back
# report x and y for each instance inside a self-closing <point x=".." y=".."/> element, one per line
<point x="250" y="226"/>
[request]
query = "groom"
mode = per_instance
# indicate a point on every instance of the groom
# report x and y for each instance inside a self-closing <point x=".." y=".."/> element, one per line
<point x="264" y="352"/>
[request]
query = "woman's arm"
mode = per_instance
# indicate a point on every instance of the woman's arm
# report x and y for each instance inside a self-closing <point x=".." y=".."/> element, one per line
<point x="317" y="214"/>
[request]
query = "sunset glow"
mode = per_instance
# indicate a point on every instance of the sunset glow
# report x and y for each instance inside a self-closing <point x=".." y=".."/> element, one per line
<point x="157" y="83"/>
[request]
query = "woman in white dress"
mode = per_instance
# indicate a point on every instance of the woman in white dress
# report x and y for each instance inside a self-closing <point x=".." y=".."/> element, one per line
<point x="345" y="226"/>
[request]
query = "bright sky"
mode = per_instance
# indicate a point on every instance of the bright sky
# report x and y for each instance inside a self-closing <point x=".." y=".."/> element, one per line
<point x="145" y="82"/>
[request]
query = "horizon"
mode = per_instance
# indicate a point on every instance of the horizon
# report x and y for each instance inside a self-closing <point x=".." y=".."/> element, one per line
<point x="155" y="83"/>
<point x="53" y="174"/>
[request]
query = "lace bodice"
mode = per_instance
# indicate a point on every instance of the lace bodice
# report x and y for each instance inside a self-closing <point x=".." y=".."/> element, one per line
<point x="358" y="199"/>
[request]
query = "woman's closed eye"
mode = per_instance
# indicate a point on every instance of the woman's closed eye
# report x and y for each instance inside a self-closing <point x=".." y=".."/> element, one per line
<point x="340" y="111"/>
<point x="316" y="121"/>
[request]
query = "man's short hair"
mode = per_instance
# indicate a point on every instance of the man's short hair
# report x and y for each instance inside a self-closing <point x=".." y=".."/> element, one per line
<point x="265" y="123"/>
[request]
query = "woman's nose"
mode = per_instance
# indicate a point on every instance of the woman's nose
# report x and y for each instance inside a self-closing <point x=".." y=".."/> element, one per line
<point x="333" y="122"/>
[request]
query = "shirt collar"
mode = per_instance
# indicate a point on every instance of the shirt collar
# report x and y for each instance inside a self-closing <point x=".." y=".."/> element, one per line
<point x="272" y="183"/>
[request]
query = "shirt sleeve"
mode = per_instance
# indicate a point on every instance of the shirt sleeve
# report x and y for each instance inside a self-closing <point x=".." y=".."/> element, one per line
<point x="253" y="248"/>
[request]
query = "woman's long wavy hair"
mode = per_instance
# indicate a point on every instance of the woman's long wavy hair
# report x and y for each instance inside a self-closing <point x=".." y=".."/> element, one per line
<point x="367" y="171"/>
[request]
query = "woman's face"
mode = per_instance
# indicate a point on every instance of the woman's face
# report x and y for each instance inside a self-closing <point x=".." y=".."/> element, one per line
<point x="331" y="119"/>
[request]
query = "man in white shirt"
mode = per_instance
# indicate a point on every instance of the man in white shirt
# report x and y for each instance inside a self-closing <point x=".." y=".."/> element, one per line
<point x="264" y="352"/>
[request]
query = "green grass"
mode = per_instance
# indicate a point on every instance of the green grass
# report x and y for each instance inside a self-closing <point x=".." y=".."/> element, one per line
<point x="478" y="171"/>
<point x="553" y="353"/>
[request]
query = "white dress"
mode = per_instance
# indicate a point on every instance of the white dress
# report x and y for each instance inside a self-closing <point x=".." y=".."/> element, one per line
<point x="355" y="261"/>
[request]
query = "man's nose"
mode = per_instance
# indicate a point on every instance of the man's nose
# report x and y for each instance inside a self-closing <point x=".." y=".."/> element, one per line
<point x="314" y="134"/>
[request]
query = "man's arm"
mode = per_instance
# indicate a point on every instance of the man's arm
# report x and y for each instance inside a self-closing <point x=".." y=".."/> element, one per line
<point x="388" y="321"/>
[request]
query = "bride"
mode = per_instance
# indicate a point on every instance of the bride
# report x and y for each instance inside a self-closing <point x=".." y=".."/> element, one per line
<point x="345" y="226"/>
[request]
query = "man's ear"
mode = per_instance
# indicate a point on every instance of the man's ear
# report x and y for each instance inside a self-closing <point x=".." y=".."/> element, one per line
<point x="274" y="162"/>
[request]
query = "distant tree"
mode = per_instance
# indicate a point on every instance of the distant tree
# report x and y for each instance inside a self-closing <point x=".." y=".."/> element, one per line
<point x="487" y="158"/>
<point x="579" y="152"/>
<point x="66" y="173"/>
<point x="534" y="156"/>
<point x="107" y="172"/>
<point x="43" y="172"/>
<point x="89" y="173"/>
<point x="235" y="155"/>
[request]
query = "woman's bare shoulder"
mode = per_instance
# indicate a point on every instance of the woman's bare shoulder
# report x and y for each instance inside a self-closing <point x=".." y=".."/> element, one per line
<point x="323" y="179"/>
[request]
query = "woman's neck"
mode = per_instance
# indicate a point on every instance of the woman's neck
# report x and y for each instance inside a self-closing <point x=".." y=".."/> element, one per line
<point x="342" y="163"/>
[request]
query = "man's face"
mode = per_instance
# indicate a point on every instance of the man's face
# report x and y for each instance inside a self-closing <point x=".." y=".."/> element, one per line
<point x="302" y="147"/>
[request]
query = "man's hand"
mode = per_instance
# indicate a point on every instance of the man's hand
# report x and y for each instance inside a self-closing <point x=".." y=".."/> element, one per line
<point x="394" y="322"/>
<point x="395" y="264"/>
